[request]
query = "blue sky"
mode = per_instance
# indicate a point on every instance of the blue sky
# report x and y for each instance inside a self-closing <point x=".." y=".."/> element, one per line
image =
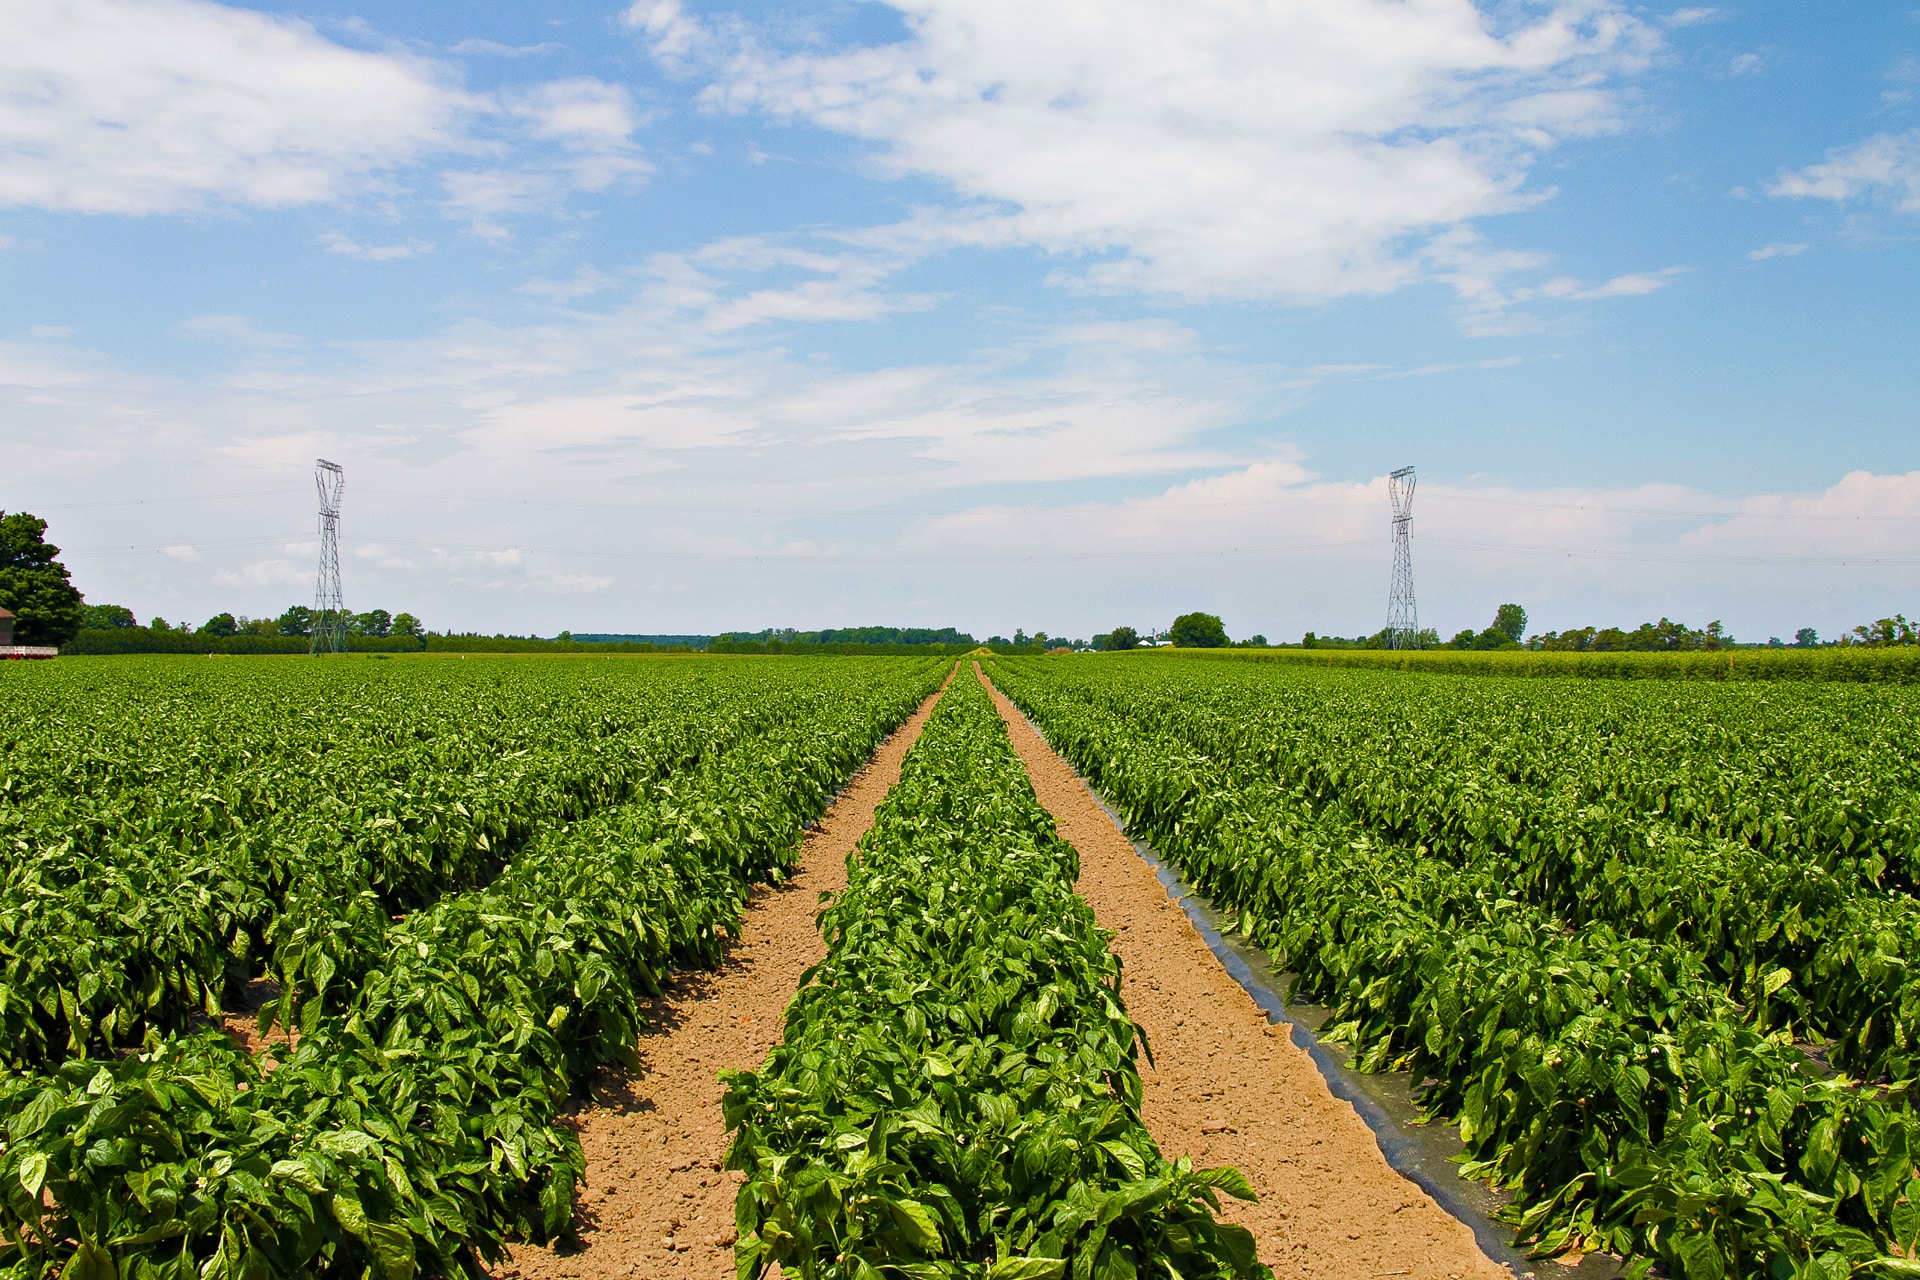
<point x="684" y="317"/>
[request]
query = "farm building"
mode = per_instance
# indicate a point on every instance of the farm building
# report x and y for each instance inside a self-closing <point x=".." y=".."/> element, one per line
<point x="8" y="649"/>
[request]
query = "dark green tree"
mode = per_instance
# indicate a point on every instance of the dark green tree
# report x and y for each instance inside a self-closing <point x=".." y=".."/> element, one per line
<point x="1805" y="638"/>
<point x="221" y="624"/>
<point x="1123" y="638"/>
<point x="374" y="622"/>
<point x="1199" y="631"/>
<point x="405" y="624"/>
<point x="33" y="583"/>
<point x="297" y="621"/>
<point x="103" y="617"/>
<point x="1510" y="620"/>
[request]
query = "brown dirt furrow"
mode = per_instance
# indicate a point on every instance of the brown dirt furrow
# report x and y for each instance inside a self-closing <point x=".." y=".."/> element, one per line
<point x="657" y="1201"/>
<point x="1231" y="1088"/>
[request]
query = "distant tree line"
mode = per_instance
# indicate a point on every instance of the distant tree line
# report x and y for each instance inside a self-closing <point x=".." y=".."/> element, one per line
<point x="1509" y="626"/>
<point x="855" y="635"/>
<point x="1664" y="636"/>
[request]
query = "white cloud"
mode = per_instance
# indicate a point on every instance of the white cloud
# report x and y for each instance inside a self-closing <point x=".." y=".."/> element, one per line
<point x="339" y="242"/>
<point x="158" y="106"/>
<point x="1693" y="16"/>
<point x="1747" y="64"/>
<point x="1904" y="78"/>
<point x="51" y="332"/>
<point x="574" y="584"/>
<point x="581" y="111"/>
<point x="494" y="49"/>
<point x="241" y="330"/>
<point x="170" y="106"/>
<point x="1228" y="149"/>
<point x="1885" y="167"/>
<point x="1634" y="285"/>
<point x="1778" y="249"/>
<point x="1491" y="307"/>
<point x="592" y="122"/>
<point x="585" y="282"/>
<point x="264" y="573"/>
<point x="182" y="551"/>
<point x="587" y="127"/>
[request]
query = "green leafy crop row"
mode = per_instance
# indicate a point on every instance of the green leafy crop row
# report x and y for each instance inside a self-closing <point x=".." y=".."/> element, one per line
<point x="1599" y="1063"/>
<point x="1766" y="829"/>
<point x="412" y="1127"/>
<point x="956" y="1093"/>
<point x="169" y="832"/>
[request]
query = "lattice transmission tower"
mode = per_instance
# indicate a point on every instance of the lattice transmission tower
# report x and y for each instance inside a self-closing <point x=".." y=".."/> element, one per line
<point x="1403" y="616"/>
<point x="329" y="605"/>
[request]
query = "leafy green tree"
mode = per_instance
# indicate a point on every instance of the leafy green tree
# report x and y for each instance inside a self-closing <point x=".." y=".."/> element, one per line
<point x="1123" y="638"/>
<point x="158" y="624"/>
<point x="374" y="622"/>
<point x="1510" y="620"/>
<point x="1805" y="638"/>
<point x="221" y="624"/>
<point x="297" y="621"/>
<point x="405" y="624"/>
<point x="1887" y="631"/>
<point x="33" y="583"/>
<point x="103" y="617"/>
<point x="1199" y="631"/>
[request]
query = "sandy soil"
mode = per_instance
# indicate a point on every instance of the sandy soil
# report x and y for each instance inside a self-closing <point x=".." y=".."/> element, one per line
<point x="657" y="1201"/>
<point x="1231" y="1088"/>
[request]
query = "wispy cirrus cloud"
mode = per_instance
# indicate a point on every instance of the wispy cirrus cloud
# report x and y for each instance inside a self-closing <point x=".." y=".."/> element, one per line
<point x="339" y="242"/>
<point x="1884" y="168"/>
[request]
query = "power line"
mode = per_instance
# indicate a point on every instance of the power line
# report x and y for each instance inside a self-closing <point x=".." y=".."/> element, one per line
<point x="169" y="498"/>
<point x="162" y="548"/>
<point x="1673" y="557"/>
<point x="960" y="557"/>
<point x="1283" y="499"/>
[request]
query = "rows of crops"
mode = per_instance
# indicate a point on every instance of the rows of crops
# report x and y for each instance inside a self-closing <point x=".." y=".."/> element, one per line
<point x="463" y="878"/>
<point x="1651" y="946"/>
<point x="956" y="1094"/>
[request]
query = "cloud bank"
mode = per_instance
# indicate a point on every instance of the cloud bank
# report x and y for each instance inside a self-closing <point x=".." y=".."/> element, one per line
<point x="1231" y="149"/>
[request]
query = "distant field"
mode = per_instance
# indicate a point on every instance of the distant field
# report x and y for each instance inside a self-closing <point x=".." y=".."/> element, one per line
<point x="1850" y="663"/>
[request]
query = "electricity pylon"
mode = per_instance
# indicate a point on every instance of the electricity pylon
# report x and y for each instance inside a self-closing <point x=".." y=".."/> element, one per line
<point x="1403" y="616"/>
<point x="329" y="605"/>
